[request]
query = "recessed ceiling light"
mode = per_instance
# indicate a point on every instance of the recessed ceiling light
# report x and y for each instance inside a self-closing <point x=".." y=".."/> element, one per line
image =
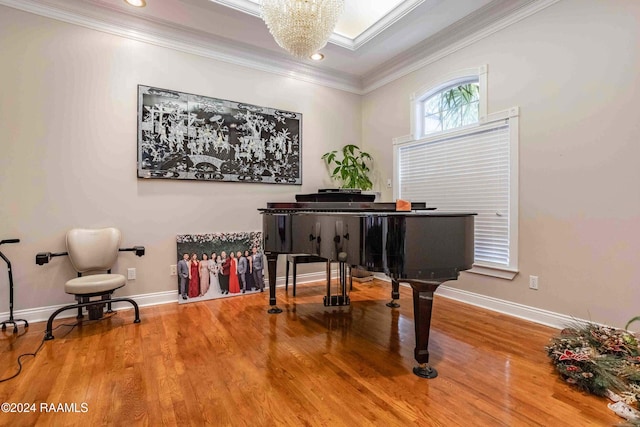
<point x="317" y="56"/>
<point x="136" y="3"/>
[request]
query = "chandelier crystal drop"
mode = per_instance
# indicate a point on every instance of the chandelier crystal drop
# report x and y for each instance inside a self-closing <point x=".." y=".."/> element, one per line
<point x="301" y="27"/>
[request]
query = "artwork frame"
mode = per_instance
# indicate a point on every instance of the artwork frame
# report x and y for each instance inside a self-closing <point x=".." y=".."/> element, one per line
<point x="193" y="137"/>
<point x="213" y="286"/>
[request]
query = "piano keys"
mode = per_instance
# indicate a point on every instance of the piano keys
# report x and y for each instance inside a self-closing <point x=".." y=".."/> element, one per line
<point x="422" y="247"/>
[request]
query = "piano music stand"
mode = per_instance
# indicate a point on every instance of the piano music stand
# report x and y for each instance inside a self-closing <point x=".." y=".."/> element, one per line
<point x="11" y="320"/>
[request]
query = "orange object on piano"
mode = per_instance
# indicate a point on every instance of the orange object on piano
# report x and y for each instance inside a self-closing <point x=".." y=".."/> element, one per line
<point x="403" y="205"/>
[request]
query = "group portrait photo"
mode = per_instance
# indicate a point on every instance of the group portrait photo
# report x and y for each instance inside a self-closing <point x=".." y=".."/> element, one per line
<point x="218" y="265"/>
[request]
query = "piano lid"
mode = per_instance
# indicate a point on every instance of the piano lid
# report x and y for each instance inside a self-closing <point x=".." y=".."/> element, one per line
<point x="340" y="207"/>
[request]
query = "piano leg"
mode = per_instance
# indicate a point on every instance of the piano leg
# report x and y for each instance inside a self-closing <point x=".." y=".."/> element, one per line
<point x="272" y="263"/>
<point x="395" y="294"/>
<point x="422" y="305"/>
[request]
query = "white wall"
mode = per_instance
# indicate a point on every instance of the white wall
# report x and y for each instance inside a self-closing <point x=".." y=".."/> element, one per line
<point x="68" y="120"/>
<point x="574" y="71"/>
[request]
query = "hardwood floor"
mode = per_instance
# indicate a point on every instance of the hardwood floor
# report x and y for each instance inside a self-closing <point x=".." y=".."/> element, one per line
<point x="229" y="362"/>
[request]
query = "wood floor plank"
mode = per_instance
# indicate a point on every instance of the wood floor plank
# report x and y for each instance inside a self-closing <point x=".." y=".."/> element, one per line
<point x="229" y="363"/>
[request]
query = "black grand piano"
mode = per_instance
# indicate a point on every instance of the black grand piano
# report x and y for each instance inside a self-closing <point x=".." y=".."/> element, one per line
<point x="422" y="247"/>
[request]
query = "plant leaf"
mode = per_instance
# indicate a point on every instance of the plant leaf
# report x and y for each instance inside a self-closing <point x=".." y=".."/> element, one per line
<point x="635" y="319"/>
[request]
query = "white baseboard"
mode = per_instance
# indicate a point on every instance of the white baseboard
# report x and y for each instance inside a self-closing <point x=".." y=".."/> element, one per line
<point x="533" y="314"/>
<point x="41" y="314"/>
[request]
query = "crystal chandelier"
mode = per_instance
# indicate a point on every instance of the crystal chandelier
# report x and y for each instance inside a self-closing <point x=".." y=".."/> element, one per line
<point x="301" y="27"/>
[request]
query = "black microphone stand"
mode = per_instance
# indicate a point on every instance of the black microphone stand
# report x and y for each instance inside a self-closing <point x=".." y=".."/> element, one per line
<point x="11" y="320"/>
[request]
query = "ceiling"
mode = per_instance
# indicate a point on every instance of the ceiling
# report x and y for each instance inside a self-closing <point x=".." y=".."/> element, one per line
<point x="374" y="42"/>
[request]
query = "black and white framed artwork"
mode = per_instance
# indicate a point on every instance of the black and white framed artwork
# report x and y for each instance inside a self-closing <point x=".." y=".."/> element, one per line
<point x="186" y="136"/>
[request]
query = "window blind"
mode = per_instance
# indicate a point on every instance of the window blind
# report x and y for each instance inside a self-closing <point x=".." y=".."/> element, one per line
<point x="466" y="172"/>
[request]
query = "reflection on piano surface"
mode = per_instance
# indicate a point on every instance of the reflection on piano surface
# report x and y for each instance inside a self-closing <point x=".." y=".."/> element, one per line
<point x="421" y="247"/>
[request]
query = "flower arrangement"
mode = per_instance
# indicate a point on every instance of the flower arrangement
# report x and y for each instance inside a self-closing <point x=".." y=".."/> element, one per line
<point x="601" y="360"/>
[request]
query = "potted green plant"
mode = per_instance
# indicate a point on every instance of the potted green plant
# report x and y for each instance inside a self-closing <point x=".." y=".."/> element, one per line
<point x="352" y="170"/>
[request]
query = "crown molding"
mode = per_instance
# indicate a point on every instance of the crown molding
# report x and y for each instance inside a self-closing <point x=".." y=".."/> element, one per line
<point x="425" y="54"/>
<point x="385" y="22"/>
<point x="168" y="35"/>
<point x="244" y="6"/>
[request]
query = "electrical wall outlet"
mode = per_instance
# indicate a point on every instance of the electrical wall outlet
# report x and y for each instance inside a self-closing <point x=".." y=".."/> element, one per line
<point x="388" y="182"/>
<point x="131" y="273"/>
<point x="533" y="282"/>
<point x="173" y="270"/>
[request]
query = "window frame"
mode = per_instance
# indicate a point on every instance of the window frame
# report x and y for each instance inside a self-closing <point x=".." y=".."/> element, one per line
<point x="418" y="97"/>
<point x="417" y="137"/>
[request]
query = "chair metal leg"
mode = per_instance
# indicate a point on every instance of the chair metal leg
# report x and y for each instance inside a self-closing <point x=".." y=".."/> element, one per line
<point x="135" y="308"/>
<point x="86" y="303"/>
<point x="48" y="335"/>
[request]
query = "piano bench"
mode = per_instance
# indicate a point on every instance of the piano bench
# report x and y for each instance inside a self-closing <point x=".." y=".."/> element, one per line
<point x="296" y="259"/>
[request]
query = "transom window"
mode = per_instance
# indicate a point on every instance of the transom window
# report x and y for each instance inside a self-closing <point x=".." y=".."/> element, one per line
<point x="452" y="107"/>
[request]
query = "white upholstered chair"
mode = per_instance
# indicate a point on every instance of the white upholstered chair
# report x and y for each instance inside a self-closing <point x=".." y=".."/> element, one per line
<point x="92" y="253"/>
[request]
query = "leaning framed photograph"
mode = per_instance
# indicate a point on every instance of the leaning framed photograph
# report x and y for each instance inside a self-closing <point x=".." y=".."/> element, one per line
<point x="186" y="136"/>
<point x="219" y="265"/>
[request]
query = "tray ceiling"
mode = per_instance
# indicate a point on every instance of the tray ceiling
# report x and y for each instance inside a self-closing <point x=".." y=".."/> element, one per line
<point x="375" y="41"/>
